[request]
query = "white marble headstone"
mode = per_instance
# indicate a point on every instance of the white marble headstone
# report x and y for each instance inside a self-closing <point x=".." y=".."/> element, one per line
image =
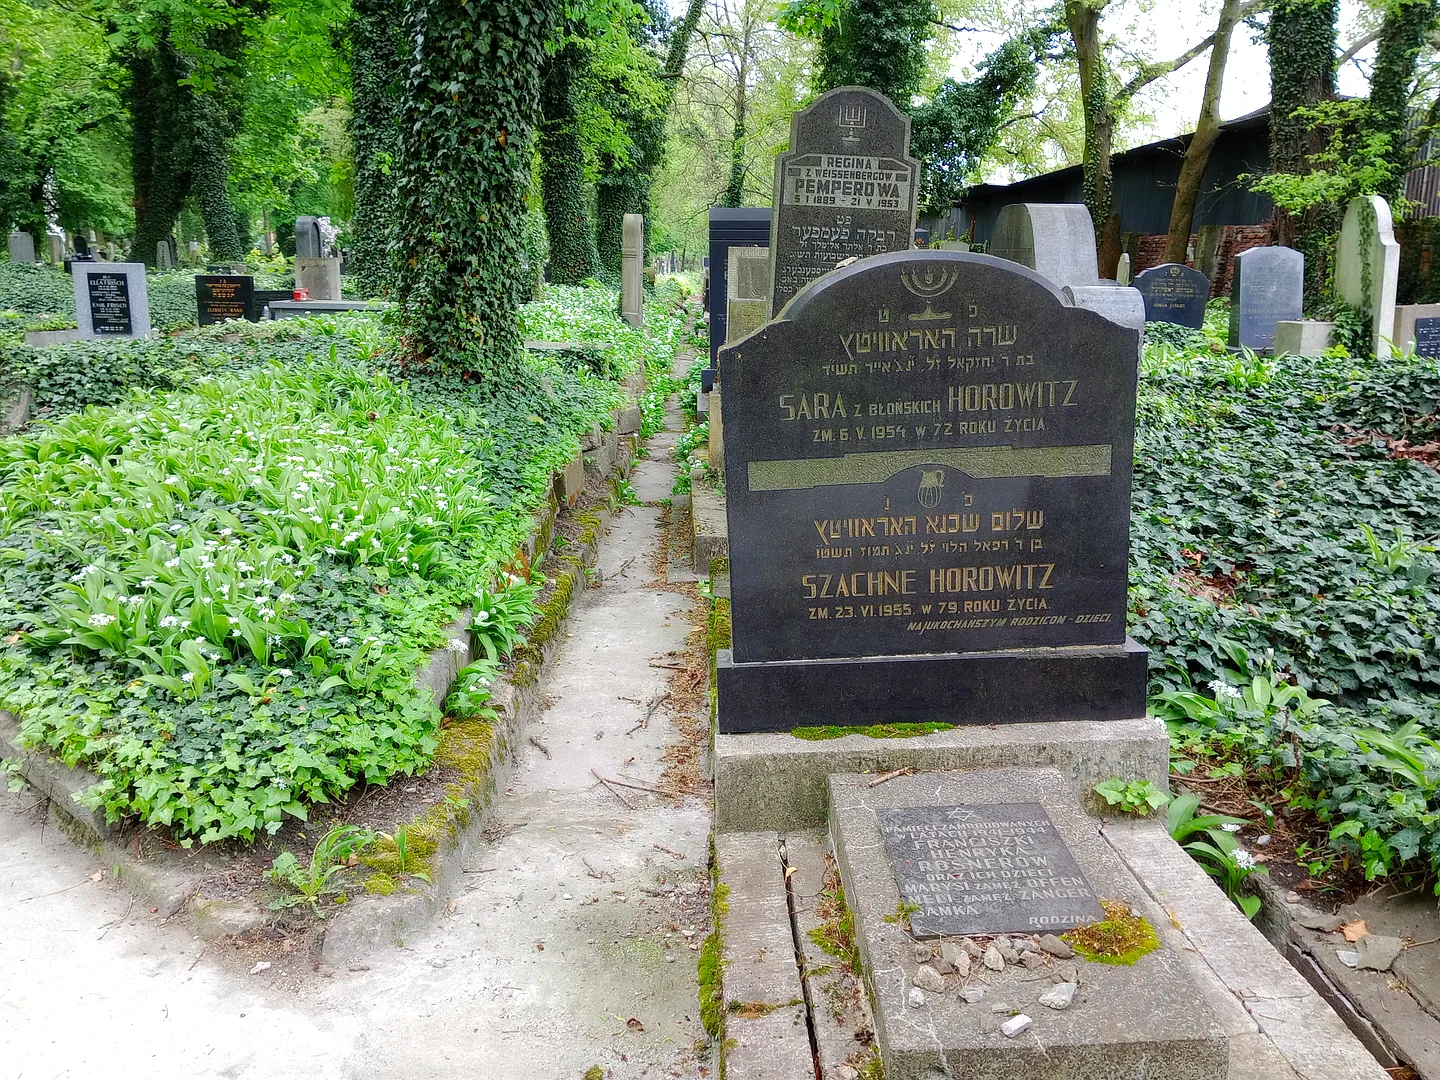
<point x="1369" y="246"/>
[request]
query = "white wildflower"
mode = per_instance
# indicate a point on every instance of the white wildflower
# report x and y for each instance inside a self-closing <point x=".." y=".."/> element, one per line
<point x="170" y="621"/>
<point x="1224" y="689"/>
<point x="100" y="619"/>
<point x="284" y="672"/>
<point x="188" y="677"/>
<point x="287" y="598"/>
<point x="342" y="640"/>
<point x="1244" y="860"/>
<point x="176" y="527"/>
<point x="1230" y="827"/>
<point x="172" y="563"/>
<point x="147" y="583"/>
<point x="225" y="531"/>
<point x="172" y="479"/>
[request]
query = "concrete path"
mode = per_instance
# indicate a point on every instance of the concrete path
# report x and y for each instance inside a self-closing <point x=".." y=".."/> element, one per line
<point x="573" y="944"/>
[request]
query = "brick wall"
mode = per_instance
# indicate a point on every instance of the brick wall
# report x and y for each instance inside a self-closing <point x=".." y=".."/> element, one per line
<point x="1148" y="250"/>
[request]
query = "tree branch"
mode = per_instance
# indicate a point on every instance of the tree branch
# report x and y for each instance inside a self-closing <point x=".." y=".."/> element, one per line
<point x="1148" y="73"/>
<point x="1349" y="54"/>
<point x="957" y="29"/>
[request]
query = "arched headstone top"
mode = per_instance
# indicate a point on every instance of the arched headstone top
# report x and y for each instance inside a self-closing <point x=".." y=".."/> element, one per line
<point x="308" y="244"/>
<point x="1056" y="240"/>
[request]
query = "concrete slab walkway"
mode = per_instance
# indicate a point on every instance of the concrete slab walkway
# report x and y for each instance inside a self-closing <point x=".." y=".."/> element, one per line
<point x="573" y="943"/>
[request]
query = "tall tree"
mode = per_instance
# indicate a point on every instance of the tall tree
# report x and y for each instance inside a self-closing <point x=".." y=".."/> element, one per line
<point x="377" y="79"/>
<point x="876" y="43"/>
<point x="624" y="184"/>
<point x="1104" y="97"/>
<point x="468" y="119"/>
<point x="1207" y="132"/>
<point x="1403" y="33"/>
<point x="573" y="257"/>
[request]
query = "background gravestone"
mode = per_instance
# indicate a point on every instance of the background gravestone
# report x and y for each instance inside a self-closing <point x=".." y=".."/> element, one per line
<point x="748" y="284"/>
<point x="57" y="247"/>
<point x="22" y="247"/>
<point x="632" y="270"/>
<point x="111" y="300"/>
<point x="928" y="461"/>
<point x="307" y="238"/>
<point x="1174" y="293"/>
<point x="164" y="258"/>
<point x="1056" y="240"/>
<point x="845" y="189"/>
<point x="224" y="296"/>
<point x="1367" y="249"/>
<point x="1267" y="287"/>
<point x="729" y="228"/>
<point x="1417" y="326"/>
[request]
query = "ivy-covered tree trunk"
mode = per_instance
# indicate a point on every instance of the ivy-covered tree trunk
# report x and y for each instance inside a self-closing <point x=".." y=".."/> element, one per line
<point x="879" y="44"/>
<point x="573" y="256"/>
<point x="209" y="177"/>
<point x="1301" y="43"/>
<point x="1083" y="19"/>
<point x="624" y="187"/>
<point x="1403" y="34"/>
<point x="160" y="147"/>
<point x="472" y="101"/>
<point x="1207" y="133"/>
<point x="735" y="189"/>
<point x="376" y="80"/>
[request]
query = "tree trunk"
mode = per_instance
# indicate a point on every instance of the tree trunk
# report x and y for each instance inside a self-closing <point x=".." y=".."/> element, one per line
<point x="1207" y="131"/>
<point x="160" y="151"/>
<point x="735" y="190"/>
<point x="376" y="78"/>
<point x="1083" y="19"/>
<point x="573" y="256"/>
<point x="1403" y="34"/>
<point x="209" y="178"/>
<point x="472" y="101"/>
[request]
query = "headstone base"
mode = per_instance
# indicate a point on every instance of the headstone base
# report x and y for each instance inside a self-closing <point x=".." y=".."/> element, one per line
<point x="1145" y="1020"/>
<point x="1303" y="337"/>
<point x="1416" y="327"/>
<point x="320" y="277"/>
<point x="1104" y="682"/>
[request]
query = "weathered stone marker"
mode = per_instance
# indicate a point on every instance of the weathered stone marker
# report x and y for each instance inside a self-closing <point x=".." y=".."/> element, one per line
<point x="1174" y="293"/>
<point x="307" y="238"/>
<point x="845" y="189"/>
<point x="1056" y="240"/>
<point x="111" y="299"/>
<point x="56" y="247"/>
<point x="1268" y="287"/>
<point x="164" y="258"/>
<point x="224" y="296"/>
<point x="1122" y="270"/>
<point x="747" y="303"/>
<point x="632" y="272"/>
<point x="928" y="464"/>
<point x="1367" y="266"/>
<point x="945" y="857"/>
<point x="22" y="247"/>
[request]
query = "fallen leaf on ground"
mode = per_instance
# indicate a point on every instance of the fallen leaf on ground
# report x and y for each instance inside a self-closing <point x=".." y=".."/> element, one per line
<point x="634" y="1024"/>
<point x="97" y="875"/>
<point x="1354" y="931"/>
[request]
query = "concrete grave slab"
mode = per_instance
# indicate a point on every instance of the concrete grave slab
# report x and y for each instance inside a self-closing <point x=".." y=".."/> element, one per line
<point x="1148" y="1020"/>
<point x="1303" y="337"/>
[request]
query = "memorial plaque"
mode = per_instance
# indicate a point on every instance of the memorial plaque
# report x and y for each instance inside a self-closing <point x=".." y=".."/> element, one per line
<point x="262" y="297"/>
<point x="1427" y="337"/>
<point x="224" y="296"/>
<point x="998" y="868"/>
<point x="1174" y="293"/>
<point x="929" y="453"/>
<point x="1268" y="287"/>
<point x="845" y="189"/>
<point x="109" y="305"/>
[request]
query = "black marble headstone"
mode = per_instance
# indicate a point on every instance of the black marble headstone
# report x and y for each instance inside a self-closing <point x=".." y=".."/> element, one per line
<point x="986" y="869"/>
<point x="1174" y="293"/>
<point x="109" y="304"/>
<point x="845" y="189"/>
<point x="1268" y="287"/>
<point x="729" y="227"/>
<point x="224" y="296"/>
<point x="1427" y="337"/>
<point x="308" y="244"/>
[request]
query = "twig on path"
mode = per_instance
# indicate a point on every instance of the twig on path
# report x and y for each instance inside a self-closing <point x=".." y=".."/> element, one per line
<point x="672" y="667"/>
<point x="535" y="742"/>
<point x="609" y="786"/>
<point x="654" y="704"/>
<point x="198" y="956"/>
<point x="1417" y="944"/>
<point x="57" y="892"/>
<point x="644" y="787"/>
<point x="625" y="566"/>
<point x="481" y="870"/>
<point x="596" y="874"/>
<point x="669" y="851"/>
<point x="115" y="922"/>
<point x="883" y="777"/>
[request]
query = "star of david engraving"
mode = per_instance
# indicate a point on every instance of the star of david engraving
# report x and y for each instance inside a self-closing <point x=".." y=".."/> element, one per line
<point x="962" y="813"/>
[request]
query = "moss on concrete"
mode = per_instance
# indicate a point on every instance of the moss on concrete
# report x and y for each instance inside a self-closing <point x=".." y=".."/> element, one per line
<point x="380" y="884"/>
<point x="530" y="656"/>
<point x="873" y="731"/>
<point x="1120" y="938"/>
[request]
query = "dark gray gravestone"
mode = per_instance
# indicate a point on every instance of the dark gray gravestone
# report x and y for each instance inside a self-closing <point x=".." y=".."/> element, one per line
<point x="991" y="869"/>
<point x="928" y="462"/>
<point x="307" y="238"/>
<point x="1174" y="293"/>
<point x="845" y="189"/>
<point x="1268" y="287"/>
<point x="224" y="296"/>
<point x="743" y="227"/>
<point x="1427" y="337"/>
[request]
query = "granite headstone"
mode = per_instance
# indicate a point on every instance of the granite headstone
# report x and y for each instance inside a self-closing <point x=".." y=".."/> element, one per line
<point x="986" y="869"/>
<point x="164" y="257"/>
<point x="111" y="299"/>
<point x="1427" y="337"/>
<point x="1056" y="240"/>
<point x="1267" y="287"/>
<point x="1174" y="293"/>
<point x="928" y="458"/>
<point x="748" y="285"/>
<point x="22" y="247"/>
<point x="224" y="296"/>
<point x="729" y="227"/>
<point x="845" y="189"/>
<point x="307" y="238"/>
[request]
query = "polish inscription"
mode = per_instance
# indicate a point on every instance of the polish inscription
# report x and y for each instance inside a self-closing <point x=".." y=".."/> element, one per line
<point x="846" y="189"/>
<point x="933" y="457"/>
<point x="992" y="868"/>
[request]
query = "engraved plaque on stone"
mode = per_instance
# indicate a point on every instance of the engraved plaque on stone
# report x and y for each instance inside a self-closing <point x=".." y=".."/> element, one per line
<point x="845" y="189"/>
<point x="1174" y="293"/>
<point x="110" y="304"/>
<point x="1427" y="337"/>
<point x="224" y="296"/>
<point x="995" y="868"/>
<point x="1267" y="288"/>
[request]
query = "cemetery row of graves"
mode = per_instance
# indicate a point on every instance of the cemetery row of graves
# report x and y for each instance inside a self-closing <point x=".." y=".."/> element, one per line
<point x="228" y="551"/>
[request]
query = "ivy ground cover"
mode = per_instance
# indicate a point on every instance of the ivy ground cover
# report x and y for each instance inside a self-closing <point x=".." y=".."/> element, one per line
<point x="217" y="592"/>
<point x="1284" y="579"/>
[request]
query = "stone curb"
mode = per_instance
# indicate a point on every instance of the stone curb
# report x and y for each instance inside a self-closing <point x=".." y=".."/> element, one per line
<point x="167" y="885"/>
